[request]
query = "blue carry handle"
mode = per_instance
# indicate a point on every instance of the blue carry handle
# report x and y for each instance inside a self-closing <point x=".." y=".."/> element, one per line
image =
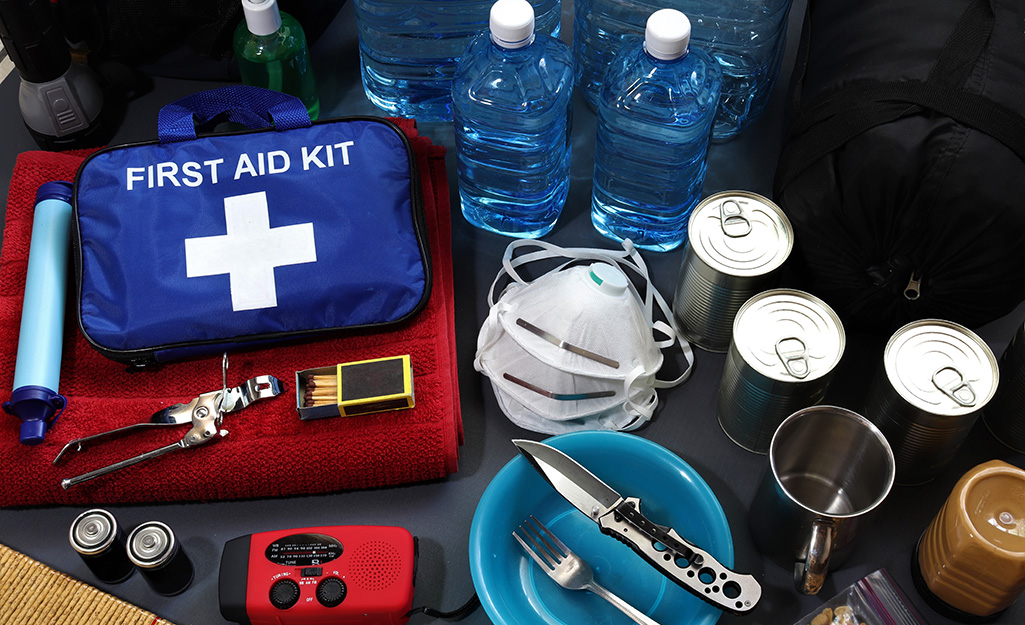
<point x="253" y="107"/>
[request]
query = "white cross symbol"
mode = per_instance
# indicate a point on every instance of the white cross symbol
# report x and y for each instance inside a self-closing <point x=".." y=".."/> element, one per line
<point x="250" y="251"/>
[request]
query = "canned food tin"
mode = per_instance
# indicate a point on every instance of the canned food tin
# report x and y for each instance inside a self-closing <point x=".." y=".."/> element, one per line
<point x="1005" y="414"/>
<point x="98" y="539"/>
<point x="935" y="379"/>
<point x="737" y="242"/>
<point x="785" y="346"/>
<point x="153" y="548"/>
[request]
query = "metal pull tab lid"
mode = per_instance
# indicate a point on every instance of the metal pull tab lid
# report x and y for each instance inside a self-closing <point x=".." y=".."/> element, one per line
<point x="793" y="353"/>
<point x="956" y="388"/>
<point x="734" y="221"/>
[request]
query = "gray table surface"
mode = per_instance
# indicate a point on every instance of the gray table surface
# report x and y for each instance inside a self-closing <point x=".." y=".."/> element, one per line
<point x="440" y="512"/>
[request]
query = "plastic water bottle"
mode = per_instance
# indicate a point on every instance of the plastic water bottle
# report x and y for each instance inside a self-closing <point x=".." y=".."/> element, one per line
<point x="409" y="49"/>
<point x="654" y="124"/>
<point x="747" y="37"/>
<point x="511" y="100"/>
<point x="271" y="51"/>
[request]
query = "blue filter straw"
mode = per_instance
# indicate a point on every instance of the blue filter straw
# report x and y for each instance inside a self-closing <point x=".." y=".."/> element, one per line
<point x="35" y="399"/>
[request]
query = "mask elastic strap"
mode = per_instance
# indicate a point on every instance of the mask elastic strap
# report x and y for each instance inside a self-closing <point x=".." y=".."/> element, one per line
<point x="629" y="258"/>
<point x="550" y="250"/>
<point x="547" y="251"/>
<point x="685" y="348"/>
<point x="486" y="342"/>
<point x="642" y="409"/>
<point x="667" y="328"/>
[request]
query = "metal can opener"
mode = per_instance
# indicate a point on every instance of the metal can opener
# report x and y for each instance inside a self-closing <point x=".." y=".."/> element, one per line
<point x="205" y="413"/>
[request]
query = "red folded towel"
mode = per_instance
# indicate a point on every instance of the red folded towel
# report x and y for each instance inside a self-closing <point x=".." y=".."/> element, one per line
<point x="269" y="451"/>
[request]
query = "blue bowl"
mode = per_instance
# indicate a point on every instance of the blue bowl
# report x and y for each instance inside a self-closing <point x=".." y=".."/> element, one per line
<point x="515" y="591"/>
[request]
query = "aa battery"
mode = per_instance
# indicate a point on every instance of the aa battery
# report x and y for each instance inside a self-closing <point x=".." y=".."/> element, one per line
<point x="935" y="378"/>
<point x="786" y="345"/>
<point x="98" y="539"/>
<point x="1005" y="415"/>
<point x="737" y="243"/>
<point x="153" y="548"/>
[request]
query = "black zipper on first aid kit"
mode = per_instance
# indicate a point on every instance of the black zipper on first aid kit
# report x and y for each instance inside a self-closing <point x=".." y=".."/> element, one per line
<point x="148" y="356"/>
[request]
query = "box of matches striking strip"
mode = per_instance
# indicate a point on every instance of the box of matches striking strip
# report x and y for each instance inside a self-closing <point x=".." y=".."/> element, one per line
<point x="355" y="388"/>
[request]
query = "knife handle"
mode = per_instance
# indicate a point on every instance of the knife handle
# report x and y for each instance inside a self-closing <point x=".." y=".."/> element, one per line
<point x="680" y="560"/>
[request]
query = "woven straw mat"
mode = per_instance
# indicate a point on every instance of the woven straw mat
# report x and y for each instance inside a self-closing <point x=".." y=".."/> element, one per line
<point x="31" y="593"/>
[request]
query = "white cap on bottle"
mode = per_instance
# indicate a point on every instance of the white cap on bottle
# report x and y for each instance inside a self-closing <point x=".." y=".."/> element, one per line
<point x="512" y="23"/>
<point x="262" y="16"/>
<point x="667" y="34"/>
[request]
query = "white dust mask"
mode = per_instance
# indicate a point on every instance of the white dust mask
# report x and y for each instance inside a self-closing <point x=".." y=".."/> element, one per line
<point x="575" y="348"/>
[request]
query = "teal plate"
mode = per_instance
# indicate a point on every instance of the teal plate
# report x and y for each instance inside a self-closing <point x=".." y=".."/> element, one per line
<point x="515" y="591"/>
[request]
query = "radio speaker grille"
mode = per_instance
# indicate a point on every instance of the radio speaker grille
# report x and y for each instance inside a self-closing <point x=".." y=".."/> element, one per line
<point x="375" y="565"/>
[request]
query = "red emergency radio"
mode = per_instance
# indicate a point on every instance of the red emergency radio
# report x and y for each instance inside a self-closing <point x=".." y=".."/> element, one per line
<point x="319" y="576"/>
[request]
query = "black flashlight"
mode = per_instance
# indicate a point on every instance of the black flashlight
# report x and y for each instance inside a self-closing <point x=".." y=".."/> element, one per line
<point x="61" y="101"/>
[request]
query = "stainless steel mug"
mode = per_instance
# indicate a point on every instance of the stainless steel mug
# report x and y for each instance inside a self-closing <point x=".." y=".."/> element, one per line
<point x="829" y="468"/>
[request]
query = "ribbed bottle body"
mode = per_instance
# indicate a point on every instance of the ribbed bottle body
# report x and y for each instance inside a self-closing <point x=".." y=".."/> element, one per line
<point x="513" y="114"/>
<point x="409" y="50"/>
<point x="654" y="125"/>
<point x="746" y="37"/>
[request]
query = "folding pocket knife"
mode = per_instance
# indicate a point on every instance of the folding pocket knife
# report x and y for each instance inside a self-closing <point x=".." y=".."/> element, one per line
<point x="620" y="517"/>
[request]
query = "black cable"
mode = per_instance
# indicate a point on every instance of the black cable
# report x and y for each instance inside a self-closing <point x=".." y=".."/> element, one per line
<point x="455" y="615"/>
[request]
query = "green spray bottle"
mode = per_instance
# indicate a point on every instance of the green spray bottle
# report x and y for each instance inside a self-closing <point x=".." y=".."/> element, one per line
<point x="271" y="51"/>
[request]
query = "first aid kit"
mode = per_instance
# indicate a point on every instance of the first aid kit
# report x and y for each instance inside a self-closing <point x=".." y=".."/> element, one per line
<point x="204" y="242"/>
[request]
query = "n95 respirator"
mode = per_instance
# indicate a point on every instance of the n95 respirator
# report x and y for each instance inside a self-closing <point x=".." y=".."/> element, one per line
<point x="576" y="348"/>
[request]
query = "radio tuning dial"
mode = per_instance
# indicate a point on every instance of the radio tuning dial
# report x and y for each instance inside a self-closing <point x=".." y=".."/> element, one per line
<point x="331" y="592"/>
<point x="284" y="594"/>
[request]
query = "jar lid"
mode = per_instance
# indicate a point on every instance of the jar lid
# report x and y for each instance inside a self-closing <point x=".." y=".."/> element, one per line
<point x="941" y="367"/>
<point x="788" y="335"/>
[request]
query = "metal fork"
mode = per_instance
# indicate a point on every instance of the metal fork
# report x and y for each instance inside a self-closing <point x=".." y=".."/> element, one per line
<point x="567" y="568"/>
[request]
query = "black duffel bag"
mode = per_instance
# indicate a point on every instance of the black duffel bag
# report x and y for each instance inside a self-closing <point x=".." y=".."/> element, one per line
<point x="903" y="172"/>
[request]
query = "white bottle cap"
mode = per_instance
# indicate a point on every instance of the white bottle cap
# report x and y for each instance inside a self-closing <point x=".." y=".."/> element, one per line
<point x="667" y="34"/>
<point x="512" y="23"/>
<point x="262" y="16"/>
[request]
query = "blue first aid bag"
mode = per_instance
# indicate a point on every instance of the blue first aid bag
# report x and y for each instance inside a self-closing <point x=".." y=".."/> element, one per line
<point x="197" y="244"/>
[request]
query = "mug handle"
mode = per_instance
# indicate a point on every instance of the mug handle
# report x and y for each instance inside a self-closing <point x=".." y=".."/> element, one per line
<point x="810" y="574"/>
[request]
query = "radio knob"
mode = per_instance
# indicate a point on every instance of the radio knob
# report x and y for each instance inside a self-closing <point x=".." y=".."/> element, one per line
<point x="330" y="592"/>
<point x="284" y="594"/>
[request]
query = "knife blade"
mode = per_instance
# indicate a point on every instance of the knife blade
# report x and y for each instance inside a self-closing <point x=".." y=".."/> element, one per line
<point x="680" y="560"/>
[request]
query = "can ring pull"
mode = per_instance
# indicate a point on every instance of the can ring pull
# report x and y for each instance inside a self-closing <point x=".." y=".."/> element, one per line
<point x="734" y="222"/>
<point x="958" y="389"/>
<point x="795" y="359"/>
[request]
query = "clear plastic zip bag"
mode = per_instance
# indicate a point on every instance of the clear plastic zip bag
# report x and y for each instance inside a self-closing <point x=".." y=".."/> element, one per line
<point x="873" y="600"/>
